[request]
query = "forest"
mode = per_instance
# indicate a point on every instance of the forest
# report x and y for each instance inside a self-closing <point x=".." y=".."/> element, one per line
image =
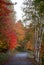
<point x="19" y="37"/>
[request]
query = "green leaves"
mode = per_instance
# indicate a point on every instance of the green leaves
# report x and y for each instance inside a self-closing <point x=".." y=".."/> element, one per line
<point x="43" y="38"/>
<point x="39" y="5"/>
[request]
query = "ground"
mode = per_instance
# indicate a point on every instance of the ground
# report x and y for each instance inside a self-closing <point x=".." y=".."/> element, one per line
<point x="19" y="59"/>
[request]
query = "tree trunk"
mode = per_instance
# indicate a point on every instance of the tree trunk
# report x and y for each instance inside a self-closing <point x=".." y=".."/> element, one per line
<point x="38" y="41"/>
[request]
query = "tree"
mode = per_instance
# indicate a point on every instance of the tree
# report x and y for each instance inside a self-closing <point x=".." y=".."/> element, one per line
<point x="3" y="7"/>
<point x="27" y="9"/>
<point x="39" y="4"/>
<point x="7" y="34"/>
<point x="22" y="43"/>
<point x="35" y="9"/>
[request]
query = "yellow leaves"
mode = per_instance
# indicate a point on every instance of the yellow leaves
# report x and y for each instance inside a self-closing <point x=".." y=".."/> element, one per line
<point x="1" y="43"/>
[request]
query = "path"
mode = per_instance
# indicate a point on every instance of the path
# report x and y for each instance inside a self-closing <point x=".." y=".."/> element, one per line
<point x="19" y="59"/>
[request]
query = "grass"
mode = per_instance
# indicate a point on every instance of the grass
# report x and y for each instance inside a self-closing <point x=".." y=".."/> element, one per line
<point x="3" y="57"/>
<point x="43" y="61"/>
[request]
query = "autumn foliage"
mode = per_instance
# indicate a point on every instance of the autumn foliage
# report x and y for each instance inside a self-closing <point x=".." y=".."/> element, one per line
<point x="6" y="24"/>
<point x="4" y="9"/>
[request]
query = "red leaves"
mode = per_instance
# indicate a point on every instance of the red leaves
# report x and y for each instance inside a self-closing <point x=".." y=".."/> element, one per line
<point x="6" y="3"/>
<point x="4" y="10"/>
<point x="7" y="21"/>
<point x="10" y="33"/>
<point x="13" y="40"/>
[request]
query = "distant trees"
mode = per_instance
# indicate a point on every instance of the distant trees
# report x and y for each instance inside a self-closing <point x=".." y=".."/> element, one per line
<point x="23" y="44"/>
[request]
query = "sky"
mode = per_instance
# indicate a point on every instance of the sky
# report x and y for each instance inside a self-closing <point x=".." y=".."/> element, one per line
<point x="18" y="9"/>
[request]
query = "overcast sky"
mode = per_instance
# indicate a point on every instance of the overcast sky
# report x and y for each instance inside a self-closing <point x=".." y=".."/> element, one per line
<point x="17" y="8"/>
